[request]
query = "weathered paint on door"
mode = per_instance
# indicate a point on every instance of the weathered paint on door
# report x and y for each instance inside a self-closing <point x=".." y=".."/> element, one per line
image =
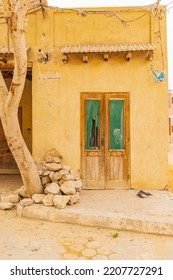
<point x="105" y="140"/>
<point x="7" y="162"/>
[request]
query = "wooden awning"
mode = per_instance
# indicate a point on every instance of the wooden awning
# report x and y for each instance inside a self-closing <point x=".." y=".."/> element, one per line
<point x="100" y="48"/>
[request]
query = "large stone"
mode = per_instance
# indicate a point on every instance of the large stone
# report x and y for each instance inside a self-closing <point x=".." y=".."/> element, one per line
<point x="26" y="202"/>
<point x="68" y="177"/>
<point x="59" y="174"/>
<point x="74" y="199"/>
<point x="77" y="185"/>
<point x="38" y="198"/>
<point x="45" y="180"/>
<point x="66" y="167"/>
<point x="50" y="159"/>
<point x="46" y="172"/>
<point x="61" y="181"/>
<point x="75" y="175"/>
<point x="6" y="205"/>
<point x="60" y="201"/>
<point x="68" y="188"/>
<point x="51" y="175"/>
<point x="53" y="153"/>
<point x="13" y="198"/>
<point x="22" y="192"/>
<point x="48" y="200"/>
<point x="53" y="166"/>
<point x="53" y="188"/>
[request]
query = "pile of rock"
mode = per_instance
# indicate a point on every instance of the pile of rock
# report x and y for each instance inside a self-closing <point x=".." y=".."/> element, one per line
<point x="8" y="201"/>
<point x="61" y="185"/>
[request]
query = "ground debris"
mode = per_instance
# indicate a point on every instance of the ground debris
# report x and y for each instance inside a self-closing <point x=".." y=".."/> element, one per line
<point x="143" y="194"/>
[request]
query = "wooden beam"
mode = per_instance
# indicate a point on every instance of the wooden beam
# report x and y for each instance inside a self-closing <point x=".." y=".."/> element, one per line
<point x="149" y="55"/>
<point x="128" y="56"/>
<point x="65" y="58"/>
<point x="85" y="58"/>
<point x="106" y="57"/>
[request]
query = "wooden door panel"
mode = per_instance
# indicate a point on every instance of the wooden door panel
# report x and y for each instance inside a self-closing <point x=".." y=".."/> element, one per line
<point x="92" y="133"/>
<point x="93" y="170"/>
<point x="116" y="168"/>
<point x="116" y="140"/>
<point x="94" y="173"/>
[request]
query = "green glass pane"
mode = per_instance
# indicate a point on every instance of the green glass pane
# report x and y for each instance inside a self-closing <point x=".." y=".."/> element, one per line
<point x="92" y="124"/>
<point x="116" y="124"/>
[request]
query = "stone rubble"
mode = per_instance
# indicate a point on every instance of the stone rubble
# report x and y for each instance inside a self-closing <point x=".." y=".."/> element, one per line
<point x="26" y="202"/>
<point x="67" y="188"/>
<point x="38" y="198"/>
<point x="53" y="188"/>
<point x="13" y="198"/>
<point x="60" y="201"/>
<point x="48" y="199"/>
<point x="6" y="205"/>
<point x="61" y="186"/>
<point x="22" y="192"/>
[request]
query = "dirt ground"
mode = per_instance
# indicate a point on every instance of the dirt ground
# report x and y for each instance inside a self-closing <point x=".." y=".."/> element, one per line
<point x="23" y="238"/>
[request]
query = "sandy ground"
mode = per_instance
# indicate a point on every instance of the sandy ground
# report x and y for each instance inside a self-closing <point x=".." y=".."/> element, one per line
<point x="23" y="238"/>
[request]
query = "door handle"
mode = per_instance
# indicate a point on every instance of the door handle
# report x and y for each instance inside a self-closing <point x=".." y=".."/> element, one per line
<point x="102" y="141"/>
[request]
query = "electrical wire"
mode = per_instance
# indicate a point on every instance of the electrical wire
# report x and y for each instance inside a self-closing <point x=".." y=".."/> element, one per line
<point x="169" y="9"/>
<point x="107" y="13"/>
<point x="160" y="41"/>
<point x="111" y="13"/>
<point x="169" y="3"/>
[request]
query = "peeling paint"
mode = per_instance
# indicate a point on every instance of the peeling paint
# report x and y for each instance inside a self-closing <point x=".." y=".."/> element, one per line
<point x="55" y="76"/>
<point x="37" y="122"/>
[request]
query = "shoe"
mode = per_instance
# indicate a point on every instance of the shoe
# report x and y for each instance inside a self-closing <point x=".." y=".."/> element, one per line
<point x="146" y="193"/>
<point x="141" y="194"/>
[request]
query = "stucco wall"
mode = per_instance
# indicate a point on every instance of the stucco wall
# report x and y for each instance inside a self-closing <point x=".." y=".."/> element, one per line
<point x="58" y="125"/>
<point x="56" y="88"/>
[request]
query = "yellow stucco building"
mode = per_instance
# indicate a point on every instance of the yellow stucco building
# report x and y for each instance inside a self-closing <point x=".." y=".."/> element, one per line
<point x="96" y="91"/>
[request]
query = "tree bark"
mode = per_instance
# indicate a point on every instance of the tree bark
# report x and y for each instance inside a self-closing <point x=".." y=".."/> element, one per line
<point x="9" y="100"/>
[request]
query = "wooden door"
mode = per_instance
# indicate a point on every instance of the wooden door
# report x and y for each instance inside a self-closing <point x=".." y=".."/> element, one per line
<point x="92" y="140"/>
<point x="7" y="162"/>
<point x="105" y="140"/>
<point x="116" y="140"/>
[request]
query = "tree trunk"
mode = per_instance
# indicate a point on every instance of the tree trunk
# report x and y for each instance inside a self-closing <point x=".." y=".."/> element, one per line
<point x="9" y="100"/>
<point x="20" y="152"/>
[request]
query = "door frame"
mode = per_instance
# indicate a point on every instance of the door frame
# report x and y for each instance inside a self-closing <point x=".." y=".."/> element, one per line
<point x="105" y="108"/>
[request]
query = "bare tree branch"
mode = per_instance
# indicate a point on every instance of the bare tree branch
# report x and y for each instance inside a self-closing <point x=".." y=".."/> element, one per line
<point x="16" y="23"/>
<point x="15" y="12"/>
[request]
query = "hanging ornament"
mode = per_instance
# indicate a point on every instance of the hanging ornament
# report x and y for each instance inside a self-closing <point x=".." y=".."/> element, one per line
<point x="159" y="76"/>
